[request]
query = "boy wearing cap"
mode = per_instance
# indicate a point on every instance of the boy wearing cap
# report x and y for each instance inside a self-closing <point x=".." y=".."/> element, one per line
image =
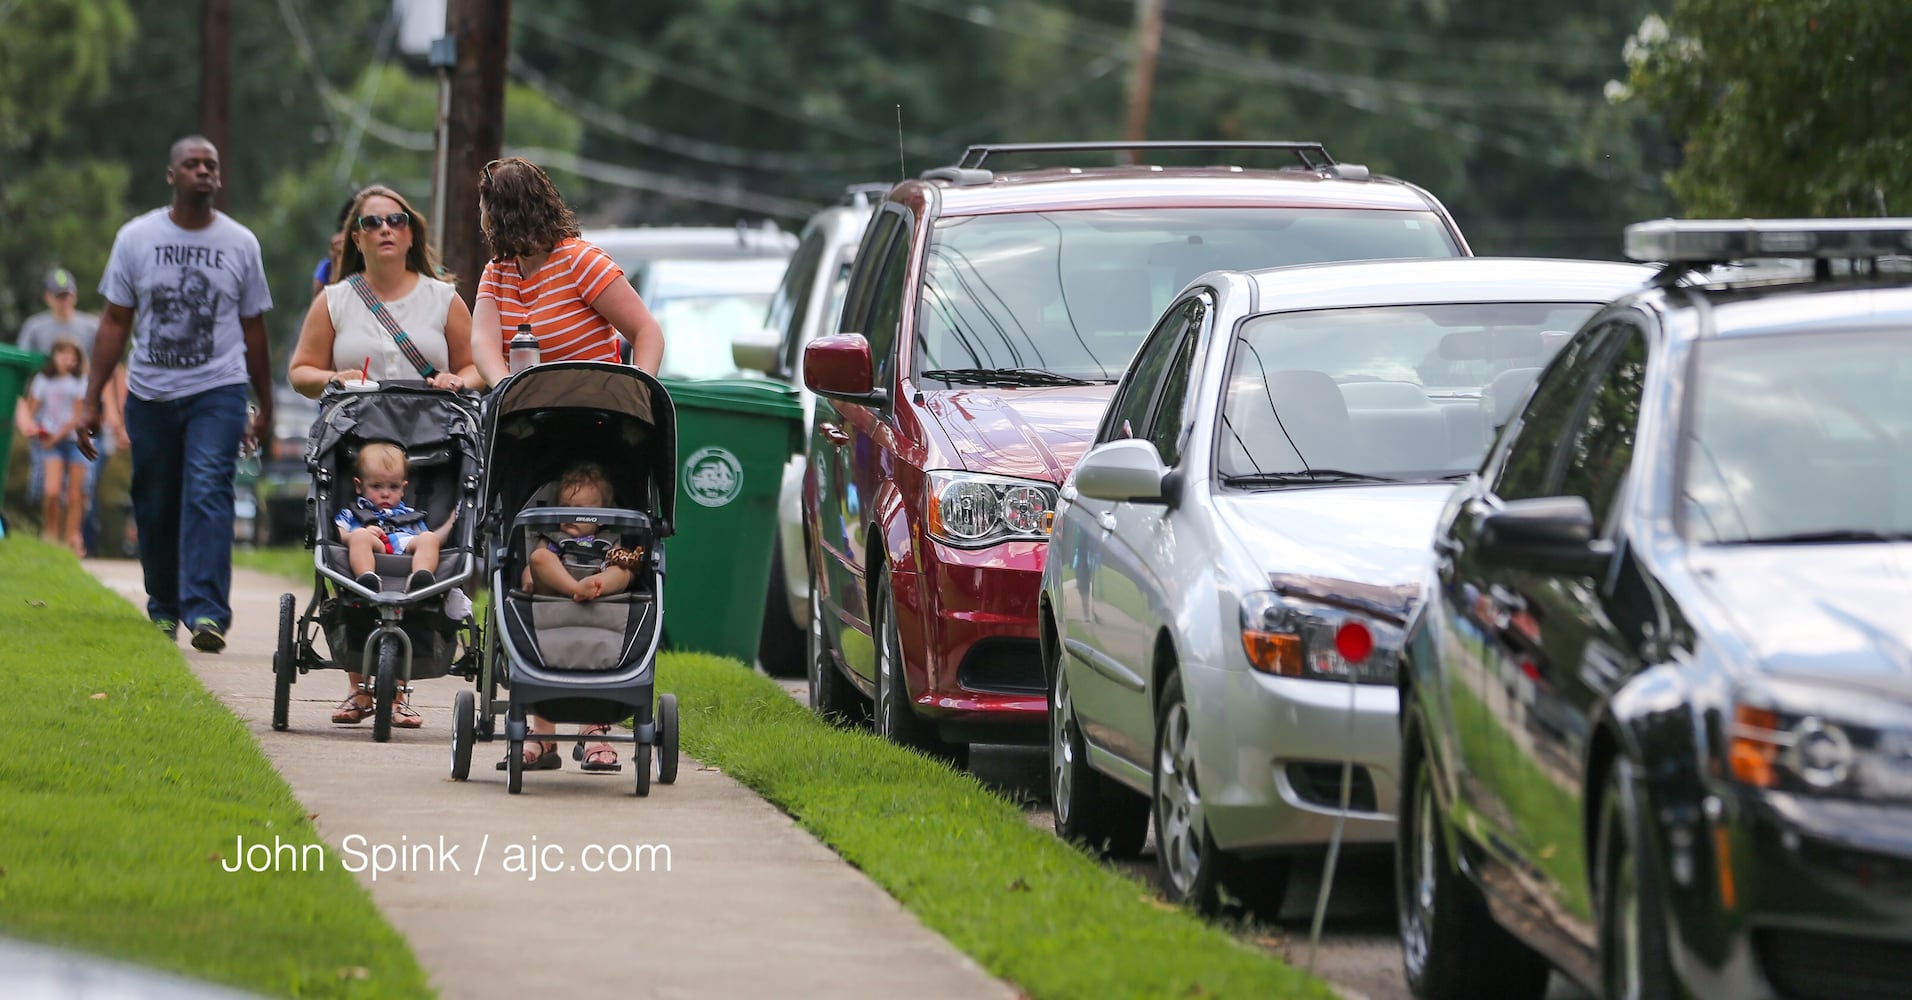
<point x="61" y="321"/>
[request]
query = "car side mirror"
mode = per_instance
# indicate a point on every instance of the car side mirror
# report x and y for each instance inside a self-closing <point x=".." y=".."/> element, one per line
<point x="1128" y="469"/>
<point x="756" y="351"/>
<point x="1546" y="534"/>
<point x="838" y="367"/>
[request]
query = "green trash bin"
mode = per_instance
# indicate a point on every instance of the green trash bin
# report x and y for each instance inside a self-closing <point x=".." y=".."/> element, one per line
<point x="17" y="368"/>
<point x="733" y="437"/>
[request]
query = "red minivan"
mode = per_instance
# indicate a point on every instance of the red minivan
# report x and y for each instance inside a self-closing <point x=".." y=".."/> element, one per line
<point x="987" y="319"/>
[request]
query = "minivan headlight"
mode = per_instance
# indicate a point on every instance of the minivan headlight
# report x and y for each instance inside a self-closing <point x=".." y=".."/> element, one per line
<point x="970" y="511"/>
<point x="1289" y="637"/>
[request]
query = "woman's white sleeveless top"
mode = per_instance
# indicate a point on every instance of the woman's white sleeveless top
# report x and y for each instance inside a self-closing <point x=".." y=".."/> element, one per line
<point x="357" y="334"/>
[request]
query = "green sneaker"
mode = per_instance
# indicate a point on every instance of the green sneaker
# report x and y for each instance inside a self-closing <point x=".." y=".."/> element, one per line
<point x="167" y="627"/>
<point x="207" y="638"/>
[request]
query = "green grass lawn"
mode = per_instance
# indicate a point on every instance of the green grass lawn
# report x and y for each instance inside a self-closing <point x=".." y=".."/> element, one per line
<point x="1026" y="906"/>
<point x="123" y="786"/>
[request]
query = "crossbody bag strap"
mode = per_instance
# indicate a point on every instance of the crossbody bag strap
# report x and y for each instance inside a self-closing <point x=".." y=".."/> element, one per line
<point x="405" y="345"/>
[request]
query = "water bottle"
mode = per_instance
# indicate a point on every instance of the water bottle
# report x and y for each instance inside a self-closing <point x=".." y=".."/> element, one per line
<point x="524" y="349"/>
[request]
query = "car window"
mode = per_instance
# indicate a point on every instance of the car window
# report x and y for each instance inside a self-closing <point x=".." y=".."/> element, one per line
<point x="792" y="299"/>
<point x="1799" y="437"/>
<point x="1128" y="412"/>
<point x="886" y="307"/>
<point x="1165" y="427"/>
<point x="1074" y="292"/>
<point x="876" y="245"/>
<point x="1602" y="448"/>
<point x="1531" y="464"/>
<point x="839" y="283"/>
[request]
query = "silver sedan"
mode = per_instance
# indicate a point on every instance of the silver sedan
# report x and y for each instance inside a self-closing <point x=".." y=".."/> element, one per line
<point x="1232" y="561"/>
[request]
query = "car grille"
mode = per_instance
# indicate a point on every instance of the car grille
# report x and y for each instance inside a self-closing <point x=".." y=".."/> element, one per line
<point x="1320" y="785"/>
<point x="1804" y="965"/>
<point x="1003" y="666"/>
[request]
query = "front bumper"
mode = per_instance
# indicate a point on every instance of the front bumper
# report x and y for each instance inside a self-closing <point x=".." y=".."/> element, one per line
<point x="1800" y="898"/>
<point x="1271" y="754"/>
<point x="968" y="628"/>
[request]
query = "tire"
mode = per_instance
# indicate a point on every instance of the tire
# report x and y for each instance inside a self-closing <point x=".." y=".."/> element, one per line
<point x="514" y="751"/>
<point x="1185" y="854"/>
<point x="1087" y="806"/>
<point x="285" y="664"/>
<point x="896" y="718"/>
<point x="1633" y="947"/>
<point x="641" y="762"/>
<point x="781" y="642"/>
<point x="667" y="739"/>
<point x="385" y="689"/>
<point x="832" y="696"/>
<point x="464" y="732"/>
<point x="1451" y="947"/>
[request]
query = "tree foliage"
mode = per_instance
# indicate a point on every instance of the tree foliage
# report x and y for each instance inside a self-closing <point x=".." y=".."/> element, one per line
<point x="1782" y="107"/>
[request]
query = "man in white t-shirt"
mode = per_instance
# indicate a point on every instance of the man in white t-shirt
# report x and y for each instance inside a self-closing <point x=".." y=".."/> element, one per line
<point x="188" y="283"/>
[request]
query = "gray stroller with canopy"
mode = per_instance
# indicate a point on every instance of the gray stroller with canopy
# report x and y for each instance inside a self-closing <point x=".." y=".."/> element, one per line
<point x="574" y="662"/>
<point x="392" y="635"/>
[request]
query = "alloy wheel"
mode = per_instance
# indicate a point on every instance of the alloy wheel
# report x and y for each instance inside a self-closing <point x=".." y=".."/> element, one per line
<point x="1061" y="748"/>
<point x="1627" y="895"/>
<point x="813" y="650"/>
<point x="1179" y="802"/>
<point x="1418" y="920"/>
<point x="885" y="679"/>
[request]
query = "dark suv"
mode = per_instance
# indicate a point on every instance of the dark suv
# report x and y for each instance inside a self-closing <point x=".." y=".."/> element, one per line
<point x="987" y="319"/>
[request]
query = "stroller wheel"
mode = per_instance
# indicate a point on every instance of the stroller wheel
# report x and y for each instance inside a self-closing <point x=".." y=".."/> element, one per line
<point x="514" y="766"/>
<point x="385" y="689"/>
<point x="464" y="712"/>
<point x="284" y="664"/>
<point x="666" y="739"/>
<point x="641" y="763"/>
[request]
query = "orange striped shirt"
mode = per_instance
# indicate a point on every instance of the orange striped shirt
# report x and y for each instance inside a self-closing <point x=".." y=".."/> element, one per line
<point x="556" y="301"/>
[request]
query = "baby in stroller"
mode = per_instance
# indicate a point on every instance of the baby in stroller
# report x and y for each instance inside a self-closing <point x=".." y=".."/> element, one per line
<point x="379" y="520"/>
<point x="577" y="563"/>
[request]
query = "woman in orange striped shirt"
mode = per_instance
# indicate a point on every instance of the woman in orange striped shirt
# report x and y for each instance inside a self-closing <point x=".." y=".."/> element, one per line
<point x="572" y="293"/>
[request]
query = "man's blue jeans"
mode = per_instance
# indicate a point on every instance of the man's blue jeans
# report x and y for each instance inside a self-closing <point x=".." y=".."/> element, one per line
<point x="184" y="453"/>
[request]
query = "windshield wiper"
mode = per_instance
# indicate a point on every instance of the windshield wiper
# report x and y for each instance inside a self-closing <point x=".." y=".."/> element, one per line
<point x="1008" y="377"/>
<point x="1830" y="536"/>
<point x="1303" y="476"/>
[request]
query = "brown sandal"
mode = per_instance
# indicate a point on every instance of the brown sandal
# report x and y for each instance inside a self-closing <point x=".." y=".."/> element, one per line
<point x="593" y="757"/>
<point x="538" y="756"/>
<point x="403" y="717"/>
<point x="351" y="711"/>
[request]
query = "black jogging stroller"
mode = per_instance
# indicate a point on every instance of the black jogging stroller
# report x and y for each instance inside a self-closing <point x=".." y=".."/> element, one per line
<point x="574" y="663"/>
<point x="393" y="636"/>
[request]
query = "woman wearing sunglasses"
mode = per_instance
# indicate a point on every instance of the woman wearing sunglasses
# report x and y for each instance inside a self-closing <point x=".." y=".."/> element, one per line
<point x="571" y="293"/>
<point x="388" y="263"/>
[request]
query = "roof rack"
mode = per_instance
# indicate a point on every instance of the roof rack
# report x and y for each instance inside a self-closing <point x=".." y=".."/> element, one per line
<point x="1689" y="245"/>
<point x="1313" y="155"/>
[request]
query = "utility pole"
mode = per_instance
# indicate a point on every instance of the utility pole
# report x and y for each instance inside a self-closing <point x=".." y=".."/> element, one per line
<point x="1148" y="42"/>
<point x="473" y="133"/>
<point x="215" y="82"/>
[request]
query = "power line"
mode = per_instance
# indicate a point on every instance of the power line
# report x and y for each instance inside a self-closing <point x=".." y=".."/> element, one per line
<point x="1316" y="29"/>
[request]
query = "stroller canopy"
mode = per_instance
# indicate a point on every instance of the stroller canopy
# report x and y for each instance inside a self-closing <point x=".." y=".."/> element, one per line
<point x="542" y="420"/>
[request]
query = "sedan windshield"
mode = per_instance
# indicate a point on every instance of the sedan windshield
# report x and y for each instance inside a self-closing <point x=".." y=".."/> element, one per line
<point x="1074" y="292"/>
<point x="1800" y="438"/>
<point x="1381" y="393"/>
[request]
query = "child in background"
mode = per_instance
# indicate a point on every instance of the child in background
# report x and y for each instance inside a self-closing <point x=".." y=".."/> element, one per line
<point x="379" y="521"/>
<point x="49" y="418"/>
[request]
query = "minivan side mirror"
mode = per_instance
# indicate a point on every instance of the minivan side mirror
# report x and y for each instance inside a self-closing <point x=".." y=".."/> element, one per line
<point x="1128" y="469"/>
<point x="1546" y="534"/>
<point x="756" y="351"/>
<point x="838" y="367"/>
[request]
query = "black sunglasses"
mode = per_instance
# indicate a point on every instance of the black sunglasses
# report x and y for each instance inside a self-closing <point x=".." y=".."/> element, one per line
<point x="396" y="220"/>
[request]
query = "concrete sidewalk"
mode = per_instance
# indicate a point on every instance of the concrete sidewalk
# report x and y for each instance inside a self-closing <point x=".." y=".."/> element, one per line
<point x="750" y="905"/>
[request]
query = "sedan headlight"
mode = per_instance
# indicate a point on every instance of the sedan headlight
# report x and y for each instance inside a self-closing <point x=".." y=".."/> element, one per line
<point x="1296" y="638"/>
<point x="971" y="511"/>
<point x="1820" y="741"/>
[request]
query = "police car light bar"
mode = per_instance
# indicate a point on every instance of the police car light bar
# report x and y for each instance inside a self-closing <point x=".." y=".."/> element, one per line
<point x="1713" y="241"/>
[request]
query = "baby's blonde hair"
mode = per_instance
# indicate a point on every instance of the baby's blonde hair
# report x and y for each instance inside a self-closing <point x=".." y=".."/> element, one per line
<point x="380" y="456"/>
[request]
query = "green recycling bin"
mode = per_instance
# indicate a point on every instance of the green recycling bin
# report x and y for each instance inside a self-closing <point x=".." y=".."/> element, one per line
<point x="733" y="437"/>
<point x="17" y="368"/>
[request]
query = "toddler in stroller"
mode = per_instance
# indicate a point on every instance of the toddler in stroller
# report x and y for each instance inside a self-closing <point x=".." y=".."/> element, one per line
<point x="379" y="520"/>
<point x="577" y="563"/>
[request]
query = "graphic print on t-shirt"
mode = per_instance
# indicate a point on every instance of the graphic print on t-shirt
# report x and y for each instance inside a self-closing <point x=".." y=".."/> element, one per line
<point x="180" y="326"/>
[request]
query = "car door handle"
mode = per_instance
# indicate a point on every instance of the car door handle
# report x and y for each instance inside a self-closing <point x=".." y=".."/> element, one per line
<point x="1107" y="520"/>
<point x="833" y="433"/>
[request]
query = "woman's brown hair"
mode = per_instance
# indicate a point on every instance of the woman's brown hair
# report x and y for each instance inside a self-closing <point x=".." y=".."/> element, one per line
<point x="523" y="213"/>
<point x="421" y="258"/>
